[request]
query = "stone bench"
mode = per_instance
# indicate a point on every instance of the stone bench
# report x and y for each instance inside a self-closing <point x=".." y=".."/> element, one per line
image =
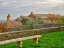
<point x="19" y="40"/>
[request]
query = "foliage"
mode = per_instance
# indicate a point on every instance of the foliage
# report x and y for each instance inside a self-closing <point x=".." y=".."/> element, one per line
<point x="60" y="21"/>
<point x="52" y="18"/>
<point x="26" y="27"/>
<point x="51" y="40"/>
<point x="39" y="21"/>
<point x="0" y="30"/>
<point x="30" y="24"/>
<point x="37" y="26"/>
<point x="24" y="20"/>
<point x="3" y="26"/>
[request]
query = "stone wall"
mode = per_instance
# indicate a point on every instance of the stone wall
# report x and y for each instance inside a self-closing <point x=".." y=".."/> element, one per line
<point x="25" y="33"/>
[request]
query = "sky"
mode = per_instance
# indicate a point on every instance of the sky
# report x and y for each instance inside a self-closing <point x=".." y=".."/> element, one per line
<point x="16" y="8"/>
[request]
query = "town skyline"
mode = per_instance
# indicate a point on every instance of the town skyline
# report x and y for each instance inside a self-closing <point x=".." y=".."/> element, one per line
<point x="24" y="7"/>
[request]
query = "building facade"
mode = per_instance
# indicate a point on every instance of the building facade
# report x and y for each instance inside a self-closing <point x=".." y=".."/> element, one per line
<point x="47" y="18"/>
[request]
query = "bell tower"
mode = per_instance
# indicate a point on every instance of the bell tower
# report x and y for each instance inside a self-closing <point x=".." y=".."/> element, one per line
<point x="8" y="17"/>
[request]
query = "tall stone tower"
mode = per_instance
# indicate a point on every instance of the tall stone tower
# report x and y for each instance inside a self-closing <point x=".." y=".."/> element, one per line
<point x="32" y="13"/>
<point x="8" y="17"/>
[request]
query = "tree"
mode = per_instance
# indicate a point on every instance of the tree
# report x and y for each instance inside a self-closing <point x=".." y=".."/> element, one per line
<point x="52" y="18"/>
<point x="60" y="20"/>
<point x="24" y="20"/>
<point x="3" y="26"/>
<point x="40" y="21"/>
<point x="0" y="30"/>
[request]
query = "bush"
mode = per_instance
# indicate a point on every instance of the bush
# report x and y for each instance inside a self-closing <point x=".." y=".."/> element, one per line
<point x="60" y="21"/>
<point x="39" y="21"/>
<point x="0" y="31"/>
<point x="26" y="27"/>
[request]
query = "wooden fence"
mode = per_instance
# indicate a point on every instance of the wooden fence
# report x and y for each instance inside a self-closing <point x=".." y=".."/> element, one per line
<point x="17" y="36"/>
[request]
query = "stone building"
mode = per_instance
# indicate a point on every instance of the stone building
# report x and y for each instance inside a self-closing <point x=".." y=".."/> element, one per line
<point x="47" y="18"/>
<point x="38" y="16"/>
<point x="11" y="23"/>
<point x="8" y="17"/>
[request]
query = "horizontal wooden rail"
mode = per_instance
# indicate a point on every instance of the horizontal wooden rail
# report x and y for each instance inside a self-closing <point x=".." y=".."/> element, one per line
<point x="19" y="39"/>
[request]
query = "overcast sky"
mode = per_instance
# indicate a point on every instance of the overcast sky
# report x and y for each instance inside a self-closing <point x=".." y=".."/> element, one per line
<point x="23" y="7"/>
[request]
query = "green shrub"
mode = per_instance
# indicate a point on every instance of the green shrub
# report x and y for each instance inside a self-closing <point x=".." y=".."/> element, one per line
<point x="0" y="31"/>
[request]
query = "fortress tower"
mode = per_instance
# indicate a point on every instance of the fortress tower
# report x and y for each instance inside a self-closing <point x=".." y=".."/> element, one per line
<point x="8" y="17"/>
<point x="32" y="13"/>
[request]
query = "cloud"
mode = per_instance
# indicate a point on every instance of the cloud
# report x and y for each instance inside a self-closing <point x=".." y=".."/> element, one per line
<point x="24" y="7"/>
<point x="23" y="3"/>
<point x="55" y="1"/>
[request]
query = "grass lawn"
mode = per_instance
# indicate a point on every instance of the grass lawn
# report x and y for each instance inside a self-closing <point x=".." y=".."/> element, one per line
<point x="50" y="40"/>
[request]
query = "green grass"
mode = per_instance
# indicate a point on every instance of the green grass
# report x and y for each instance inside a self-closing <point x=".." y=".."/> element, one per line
<point x="50" y="40"/>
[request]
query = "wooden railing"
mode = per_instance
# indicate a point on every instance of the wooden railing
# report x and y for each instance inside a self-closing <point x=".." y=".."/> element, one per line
<point x="18" y="36"/>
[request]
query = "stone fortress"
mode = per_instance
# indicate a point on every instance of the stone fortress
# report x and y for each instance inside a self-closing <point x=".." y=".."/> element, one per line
<point x="47" y="18"/>
<point x="11" y="24"/>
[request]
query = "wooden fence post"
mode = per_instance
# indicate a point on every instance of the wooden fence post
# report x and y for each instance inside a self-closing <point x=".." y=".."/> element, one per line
<point x="19" y="43"/>
<point x="35" y="40"/>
